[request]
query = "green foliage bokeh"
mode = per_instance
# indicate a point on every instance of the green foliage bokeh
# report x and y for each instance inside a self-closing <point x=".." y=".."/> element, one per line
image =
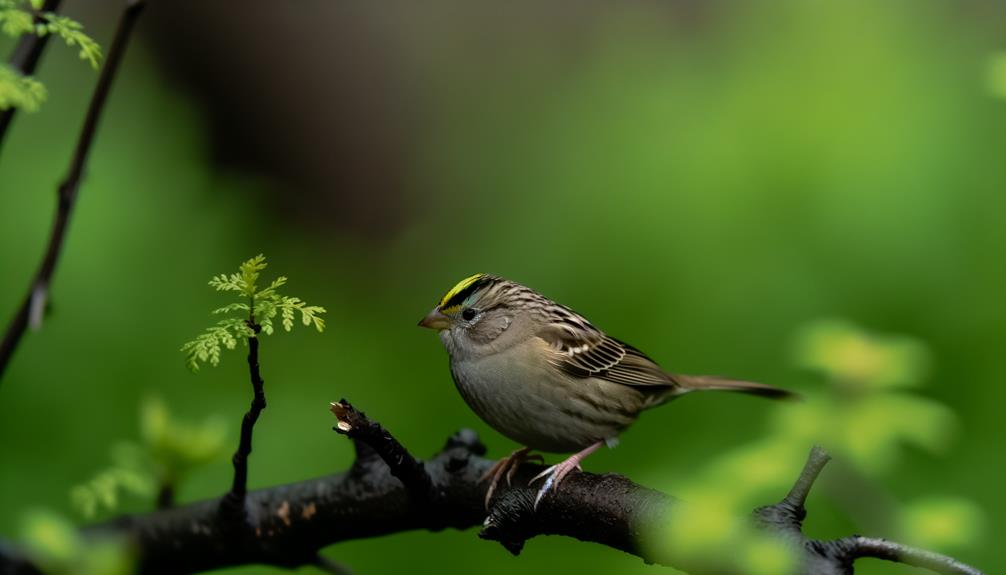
<point x="704" y="196"/>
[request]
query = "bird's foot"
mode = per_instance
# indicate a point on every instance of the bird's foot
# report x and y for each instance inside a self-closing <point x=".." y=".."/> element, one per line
<point x="507" y="467"/>
<point x="554" y="475"/>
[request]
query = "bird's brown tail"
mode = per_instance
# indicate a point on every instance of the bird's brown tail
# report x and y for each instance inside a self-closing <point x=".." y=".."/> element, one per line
<point x="703" y="382"/>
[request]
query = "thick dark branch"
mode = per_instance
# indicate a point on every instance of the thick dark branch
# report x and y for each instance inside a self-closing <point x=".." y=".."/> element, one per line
<point x="25" y="58"/>
<point x="235" y="499"/>
<point x="34" y="303"/>
<point x="287" y="525"/>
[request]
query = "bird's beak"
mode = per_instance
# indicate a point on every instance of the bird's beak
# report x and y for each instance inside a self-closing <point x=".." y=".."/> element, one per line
<point x="435" y="320"/>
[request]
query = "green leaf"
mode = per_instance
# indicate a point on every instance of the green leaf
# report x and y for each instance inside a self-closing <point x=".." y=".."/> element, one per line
<point x="250" y="271"/>
<point x="257" y="306"/>
<point x="102" y="491"/>
<point x="17" y="91"/>
<point x="232" y="307"/>
<point x="15" y="21"/>
<point x="856" y="359"/>
<point x="54" y="545"/>
<point x="996" y="75"/>
<point x="175" y="447"/>
<point x="50" y="536"/>
<point x="942" y="522"/>
<point x="72" y="33"/>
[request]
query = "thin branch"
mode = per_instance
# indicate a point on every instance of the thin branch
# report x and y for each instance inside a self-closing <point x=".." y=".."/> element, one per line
<point x="166" y="496"/>
<point x="25" y="58"/>
<point x="816" y="461"/>
<point x="38" y="291"/>
<point x="890" y="551"/>
<point x="355" y="425"/>
<point x="788" y="514"/>
<point x="235" y="499"/>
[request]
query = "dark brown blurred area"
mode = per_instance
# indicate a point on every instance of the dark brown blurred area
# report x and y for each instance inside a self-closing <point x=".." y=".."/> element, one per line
<point x="313" y="98"/>
<point x="330" y="100"/>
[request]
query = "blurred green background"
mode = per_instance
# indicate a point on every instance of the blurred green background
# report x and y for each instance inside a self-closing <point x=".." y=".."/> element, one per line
<point x="703" y="179"/>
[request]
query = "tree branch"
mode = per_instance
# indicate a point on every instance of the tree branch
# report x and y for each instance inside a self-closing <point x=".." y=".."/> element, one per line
<point x="837" y="556"/>
<point x="34" y="303"/>
<point x="25" y="58"/>
<point x="882" y="549"/>
<point x="369" y="436"/>
<point x="388" y="491"/>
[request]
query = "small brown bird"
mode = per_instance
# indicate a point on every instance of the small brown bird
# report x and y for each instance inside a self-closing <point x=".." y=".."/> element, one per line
<point x="542" y="375"/>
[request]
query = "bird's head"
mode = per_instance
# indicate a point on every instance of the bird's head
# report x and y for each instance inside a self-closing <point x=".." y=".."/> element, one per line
<point x="473" y="313"/>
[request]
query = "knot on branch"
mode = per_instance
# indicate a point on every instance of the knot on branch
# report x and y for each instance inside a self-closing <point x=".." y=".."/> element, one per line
<point x="459" y="450"/>
<point x="511" y="521"/>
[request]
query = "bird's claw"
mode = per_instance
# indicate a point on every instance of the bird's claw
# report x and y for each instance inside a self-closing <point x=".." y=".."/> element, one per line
<point x="505" y="467"/>
<point x="553" y="476"/>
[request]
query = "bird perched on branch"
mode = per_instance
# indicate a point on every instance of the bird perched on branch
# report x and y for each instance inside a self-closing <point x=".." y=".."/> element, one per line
<point x="542" y="375"/>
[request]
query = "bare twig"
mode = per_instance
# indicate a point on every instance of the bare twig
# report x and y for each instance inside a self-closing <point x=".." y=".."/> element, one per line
<point x="816" y="461"/>
<point x="823" y="557"/>
<point x="166" y="496"/>
<point x="235" y="499"/>
<point x="25" y="58"/>
<point x="890" y="551"/>
<point x="788" y="514"/>
<point x="38" y="291"/>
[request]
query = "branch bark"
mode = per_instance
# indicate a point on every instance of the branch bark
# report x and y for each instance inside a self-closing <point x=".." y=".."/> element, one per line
<point x="34" y="303"/>
<point x="234" y="502"/>
<point x="387" y="490"/>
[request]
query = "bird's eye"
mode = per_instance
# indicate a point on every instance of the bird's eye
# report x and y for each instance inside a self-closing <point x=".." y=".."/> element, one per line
<point x="469" y="314"/>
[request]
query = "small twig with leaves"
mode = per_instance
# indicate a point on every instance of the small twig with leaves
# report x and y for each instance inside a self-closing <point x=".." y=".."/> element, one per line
<point x="34" y="304"/>
<point x="256" y="308"/>
<point x="35" y="21"/>
<point x="168" y="449"/>
<point x="248" y="318"/>
<point x="21" y="66"/>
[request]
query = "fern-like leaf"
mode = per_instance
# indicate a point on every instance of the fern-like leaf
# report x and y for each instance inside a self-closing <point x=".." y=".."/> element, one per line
<point x="260" y="307"/>
<point x="15" y="21"/>
<point x="17" y="91"/>
<point x="72" y="33"/>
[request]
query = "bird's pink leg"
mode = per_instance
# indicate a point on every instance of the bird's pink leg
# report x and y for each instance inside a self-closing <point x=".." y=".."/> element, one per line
<point x="506" y="466"/>
<point x="555" y="474"/>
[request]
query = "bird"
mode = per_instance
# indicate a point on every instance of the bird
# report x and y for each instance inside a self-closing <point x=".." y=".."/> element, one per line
<point x="544" y="376"/>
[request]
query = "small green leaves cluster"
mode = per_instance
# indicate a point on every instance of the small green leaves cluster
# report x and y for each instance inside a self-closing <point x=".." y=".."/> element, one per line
<point x="57" y="547"/>
<point x="168" y="450"/>
<point x="864" y="413"/>
<point x="257" y="311"/>
<point x="127" y="474"/>
<point x="19" y="17"/>
<point x="174" y="447"/>
<point x="17" y="91"/>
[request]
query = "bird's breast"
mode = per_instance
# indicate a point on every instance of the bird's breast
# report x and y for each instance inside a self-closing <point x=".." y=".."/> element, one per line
<point x="525" y="398"/>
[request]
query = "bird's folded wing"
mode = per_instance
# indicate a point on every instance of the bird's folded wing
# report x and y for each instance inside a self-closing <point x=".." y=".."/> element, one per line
<point x="584" y="351"/>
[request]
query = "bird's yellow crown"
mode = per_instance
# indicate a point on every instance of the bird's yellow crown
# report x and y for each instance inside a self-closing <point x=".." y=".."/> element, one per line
<point x="453" y="299"/>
